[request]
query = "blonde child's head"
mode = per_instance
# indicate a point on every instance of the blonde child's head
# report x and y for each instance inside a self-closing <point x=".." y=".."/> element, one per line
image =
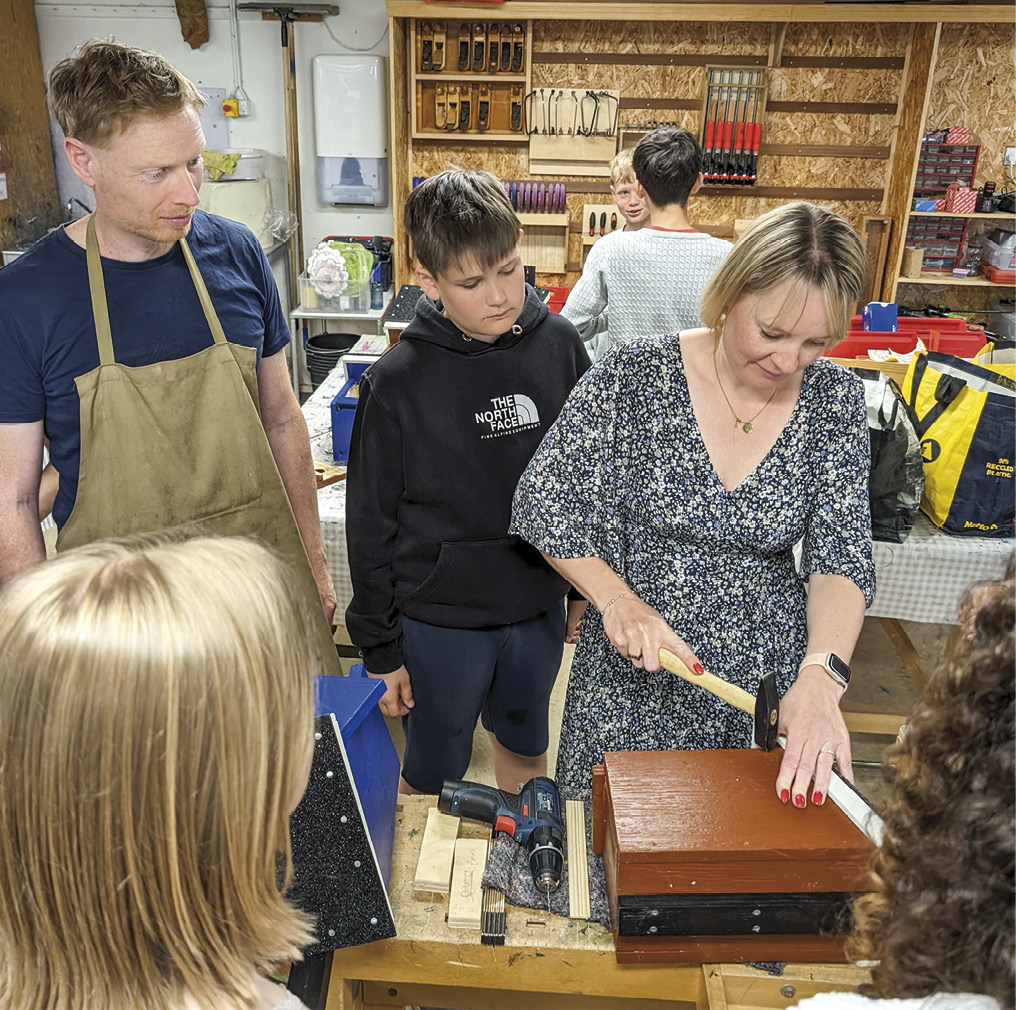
<point x="155" y="734"/>
<point x="625" y="190"/>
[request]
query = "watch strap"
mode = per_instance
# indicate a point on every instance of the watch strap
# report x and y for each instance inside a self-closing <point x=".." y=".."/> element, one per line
<point x="823" y="659"/>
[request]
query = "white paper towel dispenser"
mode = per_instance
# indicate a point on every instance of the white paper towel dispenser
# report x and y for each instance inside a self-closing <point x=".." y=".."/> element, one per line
<point x="351" y="128"/>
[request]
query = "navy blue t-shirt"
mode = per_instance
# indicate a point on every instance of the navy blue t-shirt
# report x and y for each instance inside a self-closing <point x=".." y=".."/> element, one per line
<point x="47" y="336"/>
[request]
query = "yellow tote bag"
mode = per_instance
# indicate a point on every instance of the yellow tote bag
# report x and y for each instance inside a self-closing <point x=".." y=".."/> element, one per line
<point x="965" y="416"/>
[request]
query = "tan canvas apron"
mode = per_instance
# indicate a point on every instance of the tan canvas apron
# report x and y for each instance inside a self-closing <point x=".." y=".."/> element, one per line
<point x="179" y="443"/>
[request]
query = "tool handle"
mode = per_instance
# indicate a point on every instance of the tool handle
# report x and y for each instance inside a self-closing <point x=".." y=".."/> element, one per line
<point x="730" y="693"/>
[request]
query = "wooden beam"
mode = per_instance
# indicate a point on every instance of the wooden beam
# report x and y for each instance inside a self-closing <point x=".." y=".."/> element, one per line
<point x="31" y="206"/>
<point x="651" y="59"/>
<point x="399" y="97"/>
<point x="848" y="108"/>
<point x="777" y="36"/>
<point x="915" y="89"/>
<point x="611" y="10"/>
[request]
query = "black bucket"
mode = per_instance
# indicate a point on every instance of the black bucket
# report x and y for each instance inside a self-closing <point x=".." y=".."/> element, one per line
<point x="323" y="353"/>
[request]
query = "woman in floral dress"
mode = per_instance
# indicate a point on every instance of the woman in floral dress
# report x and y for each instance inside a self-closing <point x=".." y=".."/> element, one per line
<point x="672" y="490"/>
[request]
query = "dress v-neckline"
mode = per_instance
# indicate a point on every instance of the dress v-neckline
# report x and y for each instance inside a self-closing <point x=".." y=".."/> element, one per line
<point x="702" y="442"/>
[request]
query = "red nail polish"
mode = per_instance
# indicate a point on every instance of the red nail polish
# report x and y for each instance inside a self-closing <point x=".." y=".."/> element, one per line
<point x="817" y="799"/>
<point x="699" y="669"/>
<point x="784" y="795"/>
<point x="800" y="801"/>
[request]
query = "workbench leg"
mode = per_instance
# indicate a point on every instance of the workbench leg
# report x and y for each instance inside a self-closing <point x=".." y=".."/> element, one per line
<point x="345" y="994"/>
<point x="906" y="651"/>
<point x="716" y="996"/>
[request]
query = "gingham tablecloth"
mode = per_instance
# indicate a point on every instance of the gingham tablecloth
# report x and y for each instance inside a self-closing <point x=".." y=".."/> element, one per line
<point x="331" y="499"/>
<point x="922" y="579"/>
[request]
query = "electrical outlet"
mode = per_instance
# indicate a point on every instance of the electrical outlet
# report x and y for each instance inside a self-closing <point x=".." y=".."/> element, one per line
<point x="1009" y="158"/>
<point x="242" y="107"/>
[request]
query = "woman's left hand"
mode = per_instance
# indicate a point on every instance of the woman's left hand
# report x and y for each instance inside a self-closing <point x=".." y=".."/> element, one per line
<point x="811" y="720"/>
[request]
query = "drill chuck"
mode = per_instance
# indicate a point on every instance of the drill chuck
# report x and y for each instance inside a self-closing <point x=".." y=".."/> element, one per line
<point x="546" y="856"/>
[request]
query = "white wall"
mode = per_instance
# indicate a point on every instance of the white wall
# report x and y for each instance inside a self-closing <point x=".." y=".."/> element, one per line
<point x="155" y="26"/>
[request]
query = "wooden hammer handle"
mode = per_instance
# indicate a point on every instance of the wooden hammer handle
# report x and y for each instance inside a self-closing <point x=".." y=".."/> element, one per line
<point x="730" y="693"/>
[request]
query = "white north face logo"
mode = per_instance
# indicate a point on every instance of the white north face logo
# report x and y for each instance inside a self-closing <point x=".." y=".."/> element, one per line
<point x="508" y="414"/>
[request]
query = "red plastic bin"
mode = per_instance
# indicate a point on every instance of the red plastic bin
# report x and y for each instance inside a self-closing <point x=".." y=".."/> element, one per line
<point x="963" y="344"/>
<point x="558" y="296"/>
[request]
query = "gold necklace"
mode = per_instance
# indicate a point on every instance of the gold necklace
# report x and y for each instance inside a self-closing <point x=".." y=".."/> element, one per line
<point x="746" y="426"/>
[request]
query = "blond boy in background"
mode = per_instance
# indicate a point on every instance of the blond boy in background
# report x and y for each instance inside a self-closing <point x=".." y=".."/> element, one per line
<point x="625" y="191"/>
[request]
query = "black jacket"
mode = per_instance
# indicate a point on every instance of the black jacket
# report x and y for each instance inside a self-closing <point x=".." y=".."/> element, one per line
<point x="444" y="428"/>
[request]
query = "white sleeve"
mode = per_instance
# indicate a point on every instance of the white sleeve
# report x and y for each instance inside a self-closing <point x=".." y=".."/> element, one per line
<point x="587" y="302"/>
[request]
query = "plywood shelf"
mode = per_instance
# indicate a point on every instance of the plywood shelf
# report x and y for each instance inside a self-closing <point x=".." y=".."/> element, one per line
<point x="945" y="280"/>
<point x="994" y="216"/>
<point x="424" y="75"/>
<point x="462" y="136"/>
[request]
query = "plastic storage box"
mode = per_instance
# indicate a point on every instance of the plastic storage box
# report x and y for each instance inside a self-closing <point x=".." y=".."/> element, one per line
<point x="344" y="405"/>
<point x="373" y="762"/>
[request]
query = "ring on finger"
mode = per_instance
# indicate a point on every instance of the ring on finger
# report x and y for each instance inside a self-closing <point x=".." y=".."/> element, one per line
<point x="635" y="659"/>
<point x="827" y="750"/>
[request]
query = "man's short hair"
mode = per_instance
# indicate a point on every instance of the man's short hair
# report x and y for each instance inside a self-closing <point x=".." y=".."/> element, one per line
<point x="103" y="89"/>
<point x="667" y="163"/>
<point x="621" y="169"/>
<point x="459" y="214"/>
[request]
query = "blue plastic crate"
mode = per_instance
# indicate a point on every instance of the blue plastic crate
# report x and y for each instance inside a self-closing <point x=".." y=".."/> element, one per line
<point x="373" y="762"/>
<point x="343" y="412"/>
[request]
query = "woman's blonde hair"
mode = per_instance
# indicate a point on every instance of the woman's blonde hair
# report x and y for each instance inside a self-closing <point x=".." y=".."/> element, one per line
<point x="799" y="242"/>
<point x="155" y="726"/>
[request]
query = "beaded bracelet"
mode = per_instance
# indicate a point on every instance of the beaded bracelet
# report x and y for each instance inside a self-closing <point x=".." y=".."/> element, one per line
<point x="610" y="603"/>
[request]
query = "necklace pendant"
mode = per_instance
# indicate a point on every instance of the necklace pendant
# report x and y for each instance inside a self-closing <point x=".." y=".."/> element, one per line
<point x="747" y="427"/>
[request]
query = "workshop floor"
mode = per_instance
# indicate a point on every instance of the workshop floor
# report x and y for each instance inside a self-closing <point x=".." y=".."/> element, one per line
<point x="879" y="679"/>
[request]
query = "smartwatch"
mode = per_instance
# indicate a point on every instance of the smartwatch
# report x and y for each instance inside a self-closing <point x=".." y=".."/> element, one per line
<point x="831" y="663"/>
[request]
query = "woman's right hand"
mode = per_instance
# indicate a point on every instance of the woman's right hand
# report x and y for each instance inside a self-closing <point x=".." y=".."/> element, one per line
<point x="638" y="632"/>
<point x="398" y="697"/>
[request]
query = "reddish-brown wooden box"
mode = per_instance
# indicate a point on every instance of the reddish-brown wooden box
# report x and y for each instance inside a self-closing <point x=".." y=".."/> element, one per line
<point x="704" y="828"/>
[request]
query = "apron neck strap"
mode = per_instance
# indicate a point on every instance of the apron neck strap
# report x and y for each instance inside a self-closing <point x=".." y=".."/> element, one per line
<point x="218" y="334"/>
<point x="100" y="310"/>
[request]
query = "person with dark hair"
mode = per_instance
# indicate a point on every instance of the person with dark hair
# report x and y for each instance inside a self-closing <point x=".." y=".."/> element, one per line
<point x="672" y="490"/>
<point x="940" y="919"/>
<point x="652" y="278"/>
<point x="458" y="617"/>
<point x="147" y="342"/>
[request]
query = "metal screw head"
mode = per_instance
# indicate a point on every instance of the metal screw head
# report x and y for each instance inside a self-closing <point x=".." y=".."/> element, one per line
<point x="655" y="911"/>
<point x="329" y="775"/>
<point x="756" y="911"/>
<point x="652" y="929"/>
<point x="331" y="932"/>
<point x="787" y="991"/>
<point x="756" y="929"/>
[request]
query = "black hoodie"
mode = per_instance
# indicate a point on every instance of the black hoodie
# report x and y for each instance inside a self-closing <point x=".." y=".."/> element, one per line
<point x="444" y="427"/>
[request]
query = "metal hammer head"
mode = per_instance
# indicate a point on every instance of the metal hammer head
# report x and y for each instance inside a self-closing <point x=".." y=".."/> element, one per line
<point x="767" y="713"/>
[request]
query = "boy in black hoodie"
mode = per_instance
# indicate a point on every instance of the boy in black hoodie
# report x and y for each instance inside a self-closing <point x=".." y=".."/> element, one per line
<point x="457" y="617"/>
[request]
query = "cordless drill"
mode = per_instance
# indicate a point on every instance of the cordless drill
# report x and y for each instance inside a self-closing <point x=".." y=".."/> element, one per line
<point x="532" y="817"/>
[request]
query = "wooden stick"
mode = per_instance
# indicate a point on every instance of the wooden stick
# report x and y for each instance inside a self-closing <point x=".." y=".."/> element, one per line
<point x="578" y="870"/>
<point x="466" y="895"/>
<point x="730" y="693"/>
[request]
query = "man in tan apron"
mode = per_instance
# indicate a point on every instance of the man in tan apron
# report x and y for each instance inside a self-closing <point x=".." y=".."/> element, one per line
<point x="206" y="438"/>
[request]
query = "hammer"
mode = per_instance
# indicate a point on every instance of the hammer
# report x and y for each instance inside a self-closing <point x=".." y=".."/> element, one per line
<point x="764" y="707"/>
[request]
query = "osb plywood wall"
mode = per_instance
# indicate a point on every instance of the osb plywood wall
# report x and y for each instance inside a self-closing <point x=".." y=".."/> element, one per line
<point x="973" y="85"/>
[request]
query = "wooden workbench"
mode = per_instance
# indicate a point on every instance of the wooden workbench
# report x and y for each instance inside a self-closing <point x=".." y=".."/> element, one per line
<point x="547" y="962"/>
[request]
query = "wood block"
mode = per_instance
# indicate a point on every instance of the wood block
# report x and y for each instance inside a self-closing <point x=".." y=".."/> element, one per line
<point x="740" y="949"/>
<point x="326" y="473"/>
<point x="578" y="869"/>
<point x="465" y="899"/>
<point x="434" y="867"/>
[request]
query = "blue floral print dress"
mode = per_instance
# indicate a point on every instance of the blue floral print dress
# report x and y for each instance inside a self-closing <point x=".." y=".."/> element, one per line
<point x="624" y="475"/>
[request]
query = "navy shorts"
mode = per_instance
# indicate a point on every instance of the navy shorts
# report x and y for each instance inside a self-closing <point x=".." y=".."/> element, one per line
<point x="504" y="675"/>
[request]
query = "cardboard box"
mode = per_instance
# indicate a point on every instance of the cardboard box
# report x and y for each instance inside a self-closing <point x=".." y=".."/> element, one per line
<point x="913" y="258"/>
